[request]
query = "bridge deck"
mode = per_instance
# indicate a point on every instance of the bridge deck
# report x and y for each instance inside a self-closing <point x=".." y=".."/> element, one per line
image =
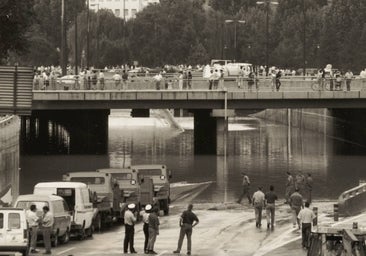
<point x="107" y="99"/>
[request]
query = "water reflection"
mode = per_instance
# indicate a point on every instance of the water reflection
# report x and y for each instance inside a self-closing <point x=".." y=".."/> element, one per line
<point x="263" y="149"/>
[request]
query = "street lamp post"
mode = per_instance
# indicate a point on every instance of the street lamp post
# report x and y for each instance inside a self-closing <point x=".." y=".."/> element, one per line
<point x="235" y="53"/>
<point x="87" y="35"/>
<point x="304" y="37"/>
<point x="267" y="3"/>
<point x="97" y="44"/>
<point x="63" y="39"/>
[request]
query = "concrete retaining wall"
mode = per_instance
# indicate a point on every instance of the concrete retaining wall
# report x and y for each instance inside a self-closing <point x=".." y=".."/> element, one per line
<point x="317" y="120"/>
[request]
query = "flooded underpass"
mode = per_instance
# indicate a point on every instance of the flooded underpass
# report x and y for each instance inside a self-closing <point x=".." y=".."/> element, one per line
<point x="264" y="150"/>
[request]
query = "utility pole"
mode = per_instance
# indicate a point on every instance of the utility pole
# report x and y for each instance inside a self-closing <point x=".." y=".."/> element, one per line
<point x="76" y="43"/>
<point x="267" y="3"/>
<point x="63" y="39"/>
<point x="304" y="37"/>
<point x="87" y="35"/>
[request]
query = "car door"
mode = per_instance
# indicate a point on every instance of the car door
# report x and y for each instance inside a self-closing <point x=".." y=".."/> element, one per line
<point x="2" y="228"/>
<point x="15" y="229"/>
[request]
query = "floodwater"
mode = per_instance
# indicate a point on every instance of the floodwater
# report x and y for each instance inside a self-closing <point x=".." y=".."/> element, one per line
<point x="262" y="149"/>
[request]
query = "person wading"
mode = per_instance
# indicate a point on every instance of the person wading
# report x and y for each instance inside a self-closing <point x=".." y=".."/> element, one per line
<point x="258" y="203"/>
<point x="271" y="198"/>
<point x="187" y="221"/>
<point x="305" y="218"/>
<point x="245" y="188"/>
<point x="296" y="203"/>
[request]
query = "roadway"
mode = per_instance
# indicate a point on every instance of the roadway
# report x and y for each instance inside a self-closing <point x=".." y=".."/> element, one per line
<point x="224" y="229"/>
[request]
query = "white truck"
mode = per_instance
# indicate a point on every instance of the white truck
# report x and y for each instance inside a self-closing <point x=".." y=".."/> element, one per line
<point x="106" y="195"/>
<point x="77" y="197"/>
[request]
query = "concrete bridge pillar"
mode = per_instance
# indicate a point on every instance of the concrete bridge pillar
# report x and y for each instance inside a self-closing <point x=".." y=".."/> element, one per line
<point x="211" y="131"/>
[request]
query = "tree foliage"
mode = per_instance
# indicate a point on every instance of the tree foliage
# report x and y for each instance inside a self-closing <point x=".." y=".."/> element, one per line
<point x="15" y="18"/>
<point x="191" y="31"/>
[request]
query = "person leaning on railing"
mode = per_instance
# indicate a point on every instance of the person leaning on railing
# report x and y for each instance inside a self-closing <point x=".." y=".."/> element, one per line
<point x="349" y="77"/>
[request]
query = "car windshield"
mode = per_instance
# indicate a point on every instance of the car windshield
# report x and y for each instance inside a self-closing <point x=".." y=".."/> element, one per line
<point x="150" y="172"/>
<point x="26" y="204"/>
<point x="122" y="176"/>
<point x="89" y="180"/>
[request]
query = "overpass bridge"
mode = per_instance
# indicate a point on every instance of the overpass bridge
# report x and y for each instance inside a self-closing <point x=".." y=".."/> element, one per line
<point x="83" y="114"/>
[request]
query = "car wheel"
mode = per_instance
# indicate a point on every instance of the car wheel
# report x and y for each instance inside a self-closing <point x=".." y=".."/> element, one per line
<point x="89" y="232"/>
<point x="66" y="237"/>
<point x="97" y="223"/>
<point x="166" y="208"/>
<point x="25" y="252"/>
<point x="82" y="234"/>
<point x="55" y="240"/>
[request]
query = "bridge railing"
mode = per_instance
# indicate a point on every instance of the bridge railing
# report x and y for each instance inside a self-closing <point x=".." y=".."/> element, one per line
<point x="148" y="83"/>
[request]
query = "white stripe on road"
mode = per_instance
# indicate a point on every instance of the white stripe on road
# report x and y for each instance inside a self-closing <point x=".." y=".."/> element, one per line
<point x="62" y="252"/>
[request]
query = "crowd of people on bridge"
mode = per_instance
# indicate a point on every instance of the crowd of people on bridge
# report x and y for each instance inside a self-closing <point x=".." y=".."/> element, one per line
<point x="182" y="77"/>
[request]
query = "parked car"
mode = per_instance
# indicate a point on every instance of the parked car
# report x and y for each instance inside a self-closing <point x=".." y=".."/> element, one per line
<point x="13" y="231"/>
<point x="59" y="210"/>
<point x="77" y="197"/>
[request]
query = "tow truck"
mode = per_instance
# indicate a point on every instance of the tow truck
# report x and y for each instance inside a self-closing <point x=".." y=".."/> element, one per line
<point x="160" y="175"/>
<point x="136" y="189"/>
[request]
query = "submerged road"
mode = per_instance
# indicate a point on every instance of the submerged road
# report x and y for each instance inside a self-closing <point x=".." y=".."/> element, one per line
<point x="224" y="229"/>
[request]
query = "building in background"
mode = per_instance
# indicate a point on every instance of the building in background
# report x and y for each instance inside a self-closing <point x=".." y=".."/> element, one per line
<point x="125" y="9"/>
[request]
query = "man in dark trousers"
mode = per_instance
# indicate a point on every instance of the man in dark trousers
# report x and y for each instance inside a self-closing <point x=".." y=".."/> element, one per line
<point x="145" y="219"/>
<point x="296" y="203"/>
<point x="188" y="220"/>
<point x="271" y="198"/>
<point x="130" y="220"/>
<point x="153" y="230"/>
<point x="47" y="224"/>
<point x="305" y="218"/>
<point x="246" y="188"/>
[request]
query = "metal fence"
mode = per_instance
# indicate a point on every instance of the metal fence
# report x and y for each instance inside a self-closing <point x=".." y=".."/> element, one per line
<point x="197" y="83"/>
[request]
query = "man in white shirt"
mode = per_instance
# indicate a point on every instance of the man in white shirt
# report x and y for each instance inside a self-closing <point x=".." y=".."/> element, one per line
<point x="145" y="219"/>
<point x="306" y="217"/>
<point x="47" y="224"/>
<point x="258" y="203"/>
<point x="33" y="221"/>
<point x="130" y="220"/>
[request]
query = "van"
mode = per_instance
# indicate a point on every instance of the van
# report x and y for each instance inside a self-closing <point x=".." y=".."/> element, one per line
<point x="13" y="231"/>
<point x="77" y="198"/>
<point x="59" y="210"/>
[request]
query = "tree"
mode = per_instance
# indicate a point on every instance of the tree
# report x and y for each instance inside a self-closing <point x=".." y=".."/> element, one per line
<point x="15" y="18"/>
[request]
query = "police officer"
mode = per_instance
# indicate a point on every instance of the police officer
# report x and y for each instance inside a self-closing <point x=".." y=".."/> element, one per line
<point x="145" y="219"/>
<point x="130" y="220"/>
<point x="33" y="221"/>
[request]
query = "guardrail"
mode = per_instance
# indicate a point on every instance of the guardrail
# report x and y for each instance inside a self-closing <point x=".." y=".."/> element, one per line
<point x="148" y="83"/>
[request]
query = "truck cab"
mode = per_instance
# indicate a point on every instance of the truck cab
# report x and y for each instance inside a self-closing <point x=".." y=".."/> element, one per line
<point x="160" y="177"/>
<point x="77" y="197"/>
<point x="135" y="188"/>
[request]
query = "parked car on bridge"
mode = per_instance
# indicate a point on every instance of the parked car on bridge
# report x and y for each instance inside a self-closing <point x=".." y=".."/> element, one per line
<point x="59" y="209"/>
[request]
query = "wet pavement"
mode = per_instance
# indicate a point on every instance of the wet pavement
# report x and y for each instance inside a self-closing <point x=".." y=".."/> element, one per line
<point x="224" y="229"/>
